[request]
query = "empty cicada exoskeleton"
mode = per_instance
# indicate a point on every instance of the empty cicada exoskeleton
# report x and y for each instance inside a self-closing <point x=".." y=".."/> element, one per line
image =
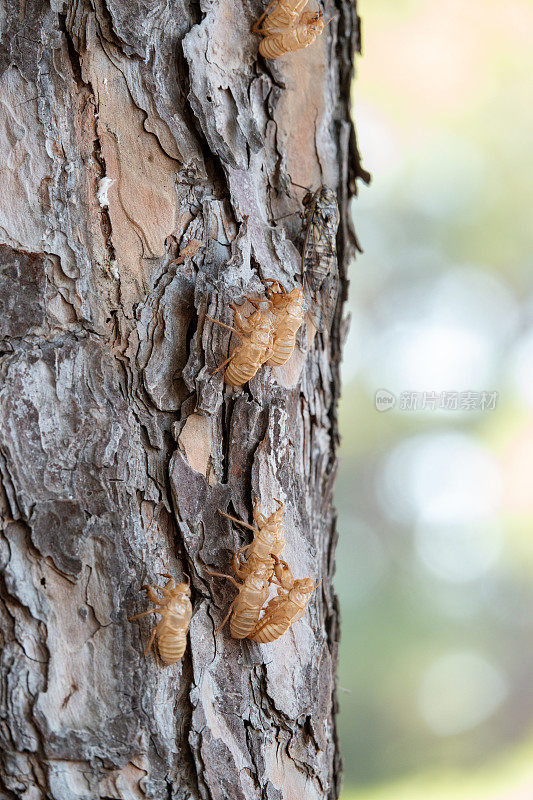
<point x="268" y="541"/>
<point x="287" y="27"/>
<point x="319" y="254"/>
<point x="288" y="311"/>
<point x="286" y="608"/>
<point x="246" y="607"/>
<point x="176" y="612"/>
<point x="257" y="337"/>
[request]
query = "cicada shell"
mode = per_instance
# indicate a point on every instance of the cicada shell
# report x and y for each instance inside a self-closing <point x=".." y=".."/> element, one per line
<point x="287" y="27"/>
<point x="300" y="36"/>
<point x="267" y="544"/>
<point x="319" y="255"/>
<point x="288" y="311"/>
<point x="256" y="336"/>
<point x="246" y="607"/>
<point x="286" y="608"/>
<point x="278" y="16"/>
<point x="176" y="612"/>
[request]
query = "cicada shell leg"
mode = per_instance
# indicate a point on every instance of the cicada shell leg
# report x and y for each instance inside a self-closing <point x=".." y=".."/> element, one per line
<point x="150" y="643"/>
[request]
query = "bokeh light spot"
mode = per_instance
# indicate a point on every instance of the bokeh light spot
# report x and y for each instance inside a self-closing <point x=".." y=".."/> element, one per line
<point x="459" y="691"/>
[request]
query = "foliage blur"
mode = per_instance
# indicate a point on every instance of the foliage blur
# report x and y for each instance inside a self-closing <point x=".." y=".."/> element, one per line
<point x="435" y="559"/>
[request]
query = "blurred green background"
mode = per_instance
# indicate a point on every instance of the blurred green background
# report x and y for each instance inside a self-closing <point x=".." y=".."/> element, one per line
<point x="435" y="559"/>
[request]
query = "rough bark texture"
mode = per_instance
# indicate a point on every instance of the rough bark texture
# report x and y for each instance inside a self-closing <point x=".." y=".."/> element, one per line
<point x="132" y="132"/>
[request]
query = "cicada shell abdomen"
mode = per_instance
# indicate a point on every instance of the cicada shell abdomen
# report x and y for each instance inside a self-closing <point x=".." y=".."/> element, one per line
<point x="247" y="606"/>
<point x="243" y="623"/>
<point x="255" y="348"/>
<point x="283" y="611"/>
<point x="171" y="639"/>
<point x="240" y="369"/>
<point x="274" y="623"/>
<point x="288" y="317"/>
<point x="246" y="615"/>
<point x="176" y="612"/>
<point x="248" y="357"/>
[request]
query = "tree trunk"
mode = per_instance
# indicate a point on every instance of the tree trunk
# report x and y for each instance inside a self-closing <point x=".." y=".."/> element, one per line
<point x="132" y="133"/>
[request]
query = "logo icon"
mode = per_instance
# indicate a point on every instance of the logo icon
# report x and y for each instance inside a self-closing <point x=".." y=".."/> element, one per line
<point x="384" y="400"/>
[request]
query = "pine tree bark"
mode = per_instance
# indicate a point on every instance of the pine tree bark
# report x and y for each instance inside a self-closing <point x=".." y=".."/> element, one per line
<point x="145" y="152"/>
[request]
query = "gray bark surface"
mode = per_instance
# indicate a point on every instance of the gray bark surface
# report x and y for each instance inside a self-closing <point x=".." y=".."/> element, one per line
<point x="131" y="132"/>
